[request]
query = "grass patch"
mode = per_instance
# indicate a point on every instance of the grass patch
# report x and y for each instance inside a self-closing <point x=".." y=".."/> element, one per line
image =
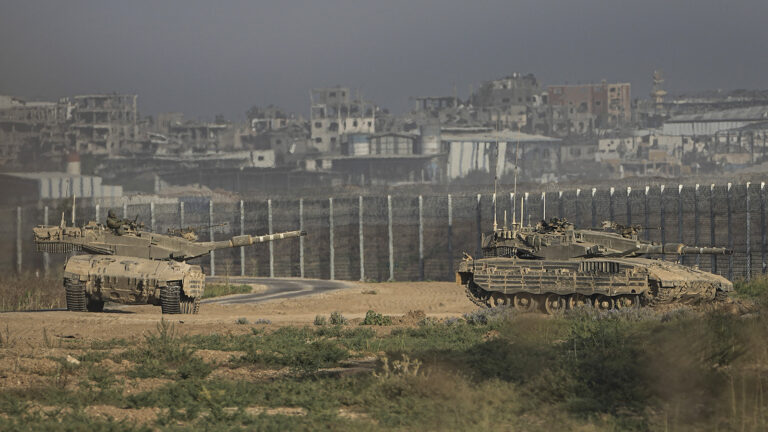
<point x="218" y="290"/>
<point x="31" y="292"/>
<point x="583" y="370"/>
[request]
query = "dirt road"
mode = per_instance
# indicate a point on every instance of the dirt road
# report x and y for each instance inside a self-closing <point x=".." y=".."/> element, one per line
<point x="353" y="300"/>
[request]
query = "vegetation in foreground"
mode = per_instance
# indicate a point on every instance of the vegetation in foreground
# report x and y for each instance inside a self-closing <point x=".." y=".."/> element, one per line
<point x="491" y="370"/>
<point x="218" y="290"/>
<point x="30" y="292"/>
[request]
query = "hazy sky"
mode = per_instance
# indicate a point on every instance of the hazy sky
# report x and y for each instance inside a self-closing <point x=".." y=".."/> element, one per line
<point x="204" y="58"/>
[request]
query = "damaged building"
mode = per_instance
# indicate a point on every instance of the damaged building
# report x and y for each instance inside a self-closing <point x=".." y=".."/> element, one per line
<point x="105" y="123"/>
<point x="335" y="112"/>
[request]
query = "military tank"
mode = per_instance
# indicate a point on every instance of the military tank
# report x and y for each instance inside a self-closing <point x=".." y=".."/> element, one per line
<point x="132" y="266"/>
<point x="556" y="266"/>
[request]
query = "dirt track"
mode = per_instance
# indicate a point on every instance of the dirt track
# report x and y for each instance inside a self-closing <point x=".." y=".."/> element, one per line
<point x="438" y="299"/>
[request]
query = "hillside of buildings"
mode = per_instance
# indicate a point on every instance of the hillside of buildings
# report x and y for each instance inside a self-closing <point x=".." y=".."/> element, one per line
<point x="515" y="129"/>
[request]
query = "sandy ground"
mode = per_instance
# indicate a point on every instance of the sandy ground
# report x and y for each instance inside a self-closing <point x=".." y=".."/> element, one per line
<point x="436" y="299"/>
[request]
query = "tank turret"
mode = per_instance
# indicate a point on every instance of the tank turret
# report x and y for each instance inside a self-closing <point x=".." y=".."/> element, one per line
<point x="97" y="239"/>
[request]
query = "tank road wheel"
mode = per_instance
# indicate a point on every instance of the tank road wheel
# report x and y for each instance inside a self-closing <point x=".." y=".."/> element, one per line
<point x="627" y="301"/>
<point x="603" y="302"/>
<point x="94" y="305"/>
<point x="554" y="304"/>
<point x="499" y="299"/>
<point x="577" y="300"/>
<point x="169" y="299"/>
<point x="525" y="302"/>
<point x="189" y="305"/>
<point x="76" y="301"/>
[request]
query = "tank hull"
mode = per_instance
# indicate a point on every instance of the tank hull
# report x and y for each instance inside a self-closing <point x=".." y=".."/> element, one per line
<point x="615" y="281"/>
<point x="129" y="280"/>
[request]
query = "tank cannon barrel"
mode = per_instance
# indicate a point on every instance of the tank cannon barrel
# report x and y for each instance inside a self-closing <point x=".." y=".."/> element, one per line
<point x="681" y="249"/>
<point x="247" y="240"/>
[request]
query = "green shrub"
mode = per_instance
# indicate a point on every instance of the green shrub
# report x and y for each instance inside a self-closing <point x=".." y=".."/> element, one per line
<point x="373" y="318"/>
<point x="320" y="320"/>
<point x="337" y="319"/>
<point x="218" y="290"/>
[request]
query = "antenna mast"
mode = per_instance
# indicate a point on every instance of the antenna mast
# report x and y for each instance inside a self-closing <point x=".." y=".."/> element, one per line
<point x="495" y="181"/>
<point x="514" y="190"/>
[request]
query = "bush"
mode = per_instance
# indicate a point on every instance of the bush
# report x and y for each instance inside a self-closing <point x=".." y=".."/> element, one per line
<point x="338" y="319"/>
<point x="373" y="318"/>
<point x="320" y="320"/>
<point x="218" y="290"/>
<point x="490" y="315"/>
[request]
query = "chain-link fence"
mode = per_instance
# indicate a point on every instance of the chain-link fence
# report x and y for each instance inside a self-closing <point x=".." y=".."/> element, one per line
<point x="403" y="237"/>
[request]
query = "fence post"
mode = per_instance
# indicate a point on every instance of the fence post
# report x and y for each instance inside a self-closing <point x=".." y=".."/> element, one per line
<point x="680" y="213"/>
<point x="97" y="211"/>
<point x="210" y="234"/>
<point x="730" y="231"/>
<point x="647" y="215"/>
<point x="450" y="227"/>
<point x="749" y="237"/>
<point x="594" y="208"/>
<point x="680" y="258"/>
<point x="46" y="257"/>
<point x="762" y="228"/>
<point x="478" y="223"/>
<point x="525" y="212"/>
<point x="360" y="234"/>
<point x="629" y="207"/>
<point x="301" y="239"/>
<point x="242" y="232"/>
<point x="391" y="240"/>
<point x="421" y="238"/>
<point x="152" y="216"/>
<point x="181" y="214"/>
<point x="696" y="221"/>
<point x="611" y="214"/>
<point x="18" y="240"/>
<point x="662" y="219"/>
<point x="712" y="225"/>
<point x="272" y="244"/>
<point x="578" y="209"/>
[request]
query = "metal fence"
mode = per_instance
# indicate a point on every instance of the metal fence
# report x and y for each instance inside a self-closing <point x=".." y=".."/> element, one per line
<point x="404" y="237"/>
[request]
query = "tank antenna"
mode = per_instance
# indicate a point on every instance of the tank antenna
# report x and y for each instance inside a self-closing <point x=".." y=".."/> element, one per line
<point x="495" y="180"/>
<point x="514" y="187"/>
<point x="505" y="220"/>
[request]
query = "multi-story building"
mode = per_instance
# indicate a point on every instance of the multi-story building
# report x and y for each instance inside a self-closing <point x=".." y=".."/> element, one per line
<point x="105" y="123"/>
<point x="608" y="105"/>
<point x="32" y="127"/>
<point x="335" y="112"/>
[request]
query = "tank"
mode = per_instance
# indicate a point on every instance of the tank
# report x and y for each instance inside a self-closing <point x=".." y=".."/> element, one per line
<point x="555" y="266"/>
<point x="132" y="266"/>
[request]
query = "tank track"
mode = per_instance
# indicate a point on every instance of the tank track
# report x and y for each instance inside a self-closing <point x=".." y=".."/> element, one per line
<point x="472" y="294"/>
<point x="170" y="299"/>
<point x="76" y="301"/>
<point x="189" y="305"/>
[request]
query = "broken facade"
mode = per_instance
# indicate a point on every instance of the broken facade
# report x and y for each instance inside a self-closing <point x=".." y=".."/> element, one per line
<point x="335" y="112"/>
<point x="105" y="123"/>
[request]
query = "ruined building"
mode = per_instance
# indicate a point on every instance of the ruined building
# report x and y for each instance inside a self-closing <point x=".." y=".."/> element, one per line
<point x="592" y="106"/>
<point x="335" y="112"/>
<point x="105" y="123"/>
<point x="29" y="130"/>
